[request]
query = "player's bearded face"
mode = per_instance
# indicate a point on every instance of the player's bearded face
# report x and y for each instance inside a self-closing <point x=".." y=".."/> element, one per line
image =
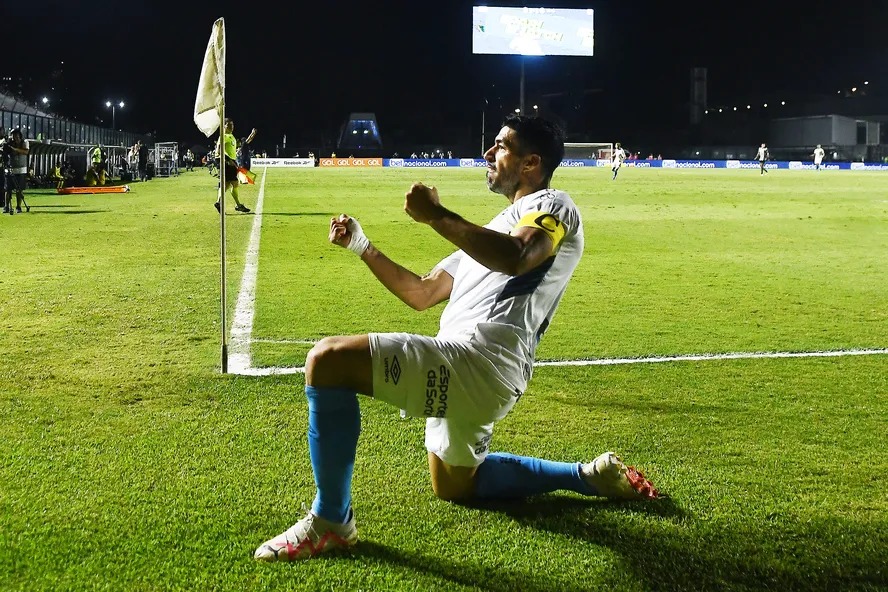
<point x="503" y="164"/>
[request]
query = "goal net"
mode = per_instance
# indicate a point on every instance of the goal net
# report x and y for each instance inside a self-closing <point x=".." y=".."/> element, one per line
<point x="589" y="150"/>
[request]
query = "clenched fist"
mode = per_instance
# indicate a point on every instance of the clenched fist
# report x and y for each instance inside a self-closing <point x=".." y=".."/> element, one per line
<point x="422" y="204"/>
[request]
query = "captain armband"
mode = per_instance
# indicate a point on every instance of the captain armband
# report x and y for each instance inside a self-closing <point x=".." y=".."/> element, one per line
<point x="546" y="222"/>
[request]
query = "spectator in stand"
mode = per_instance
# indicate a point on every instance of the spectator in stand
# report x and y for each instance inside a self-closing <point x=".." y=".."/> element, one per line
<point x="413" y="155"/>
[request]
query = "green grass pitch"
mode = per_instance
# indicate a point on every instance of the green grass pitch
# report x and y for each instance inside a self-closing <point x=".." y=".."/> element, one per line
<point x="127" y="462"/>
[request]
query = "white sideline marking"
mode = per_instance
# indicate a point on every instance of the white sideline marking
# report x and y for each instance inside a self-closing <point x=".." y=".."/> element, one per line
<point x="287" y="341"/>
<point x="276" y="370"/>
<point x="239" y="358"/>
<point x="710" y="357"/>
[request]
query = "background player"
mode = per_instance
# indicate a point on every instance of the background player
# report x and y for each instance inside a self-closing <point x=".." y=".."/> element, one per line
<point x="762" y="156"/>
<point x="818" y="157"/>
<point x="619" y="157"/>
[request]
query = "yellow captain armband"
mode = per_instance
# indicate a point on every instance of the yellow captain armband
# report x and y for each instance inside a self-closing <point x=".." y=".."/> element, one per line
<point x="547" y="223"/>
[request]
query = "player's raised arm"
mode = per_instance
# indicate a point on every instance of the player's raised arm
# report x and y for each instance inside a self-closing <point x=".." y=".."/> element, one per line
<point x="512" y="254"/>
<point x="418" y="292"/>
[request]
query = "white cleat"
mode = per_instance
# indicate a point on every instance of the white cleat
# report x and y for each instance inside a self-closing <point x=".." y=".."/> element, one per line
<point x="611" y="478"/>
<point x="307" y="538"/>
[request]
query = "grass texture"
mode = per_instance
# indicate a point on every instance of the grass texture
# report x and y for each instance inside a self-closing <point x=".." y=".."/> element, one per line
<point x="129" y="463"/>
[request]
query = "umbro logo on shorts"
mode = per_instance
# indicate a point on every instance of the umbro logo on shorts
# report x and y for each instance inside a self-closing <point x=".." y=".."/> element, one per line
<point x="393" y="371"/>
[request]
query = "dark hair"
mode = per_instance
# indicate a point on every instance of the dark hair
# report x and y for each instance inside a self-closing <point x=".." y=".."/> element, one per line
<point x="538" y="136"/>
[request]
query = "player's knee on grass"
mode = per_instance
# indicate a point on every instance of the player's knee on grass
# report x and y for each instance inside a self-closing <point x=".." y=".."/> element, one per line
<point x="450" y="483"/>
<point x="341" y="362"/>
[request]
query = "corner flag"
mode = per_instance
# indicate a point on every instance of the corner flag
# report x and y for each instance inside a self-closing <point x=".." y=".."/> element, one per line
<point x="209" y="112"/>
<point x="211" y="88"/>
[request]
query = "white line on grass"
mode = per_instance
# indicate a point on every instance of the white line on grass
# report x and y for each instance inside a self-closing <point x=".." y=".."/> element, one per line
<point x="287" y="341"/>
<point x="276" y="370"/>
<point x="710" y="357"/>
<point x="239" y="358"/>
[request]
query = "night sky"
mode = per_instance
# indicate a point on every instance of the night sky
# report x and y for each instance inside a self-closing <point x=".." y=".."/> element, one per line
<point x="302" y="69"/>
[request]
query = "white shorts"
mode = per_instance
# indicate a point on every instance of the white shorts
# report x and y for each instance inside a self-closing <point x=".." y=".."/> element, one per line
<point x="457" y="390"/>
<point x="616" y="164"/>
<point x="818" y="160"/>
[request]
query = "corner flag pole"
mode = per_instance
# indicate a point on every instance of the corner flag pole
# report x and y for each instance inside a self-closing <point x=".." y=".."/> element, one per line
<point x="221" y="199"/>
<point x="209" y="116"/>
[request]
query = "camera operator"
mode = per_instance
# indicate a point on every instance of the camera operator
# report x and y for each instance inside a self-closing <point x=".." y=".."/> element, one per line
<point x="15" y="153"/>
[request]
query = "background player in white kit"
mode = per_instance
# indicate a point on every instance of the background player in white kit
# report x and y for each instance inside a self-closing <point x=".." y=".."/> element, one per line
<point x="818" y="157"/>
<point x="762" y="156"/>
<point x="503" y="286"/>
<point x="617" y="162"/>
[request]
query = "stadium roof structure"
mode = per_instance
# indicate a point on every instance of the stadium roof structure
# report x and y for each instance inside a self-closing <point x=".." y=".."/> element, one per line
<point x="360" y="134"/>
<point x="16" y="105"/>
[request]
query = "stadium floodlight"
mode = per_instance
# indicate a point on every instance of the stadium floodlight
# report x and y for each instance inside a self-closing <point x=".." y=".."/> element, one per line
<point x="735" y="108"/>
<point x="749" y="106"/>
<point x="113" y="105"/>
<point x="853" y="89"/>
<point x="518" y="110"/>
<point x="782" y="102"/>
<point x="720" y="109"/>
<point x="865" y="82"/>
<point x="766" y="105"/>
<point x="45" y="100"/>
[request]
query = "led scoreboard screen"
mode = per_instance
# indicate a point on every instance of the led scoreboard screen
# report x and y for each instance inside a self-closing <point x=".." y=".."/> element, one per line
<point x="532" y="31"/>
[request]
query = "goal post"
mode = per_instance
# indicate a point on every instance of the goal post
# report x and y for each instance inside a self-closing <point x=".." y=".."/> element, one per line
<point x="589" y="150"/>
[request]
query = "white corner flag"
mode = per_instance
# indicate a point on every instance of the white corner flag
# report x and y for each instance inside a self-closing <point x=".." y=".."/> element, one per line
<point x="209" y="112"/>
<point x="211" y="88"/>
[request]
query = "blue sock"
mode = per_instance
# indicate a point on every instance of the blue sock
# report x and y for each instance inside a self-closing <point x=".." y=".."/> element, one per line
<point x="504" y="475"/>
<point x="334" y="423"/>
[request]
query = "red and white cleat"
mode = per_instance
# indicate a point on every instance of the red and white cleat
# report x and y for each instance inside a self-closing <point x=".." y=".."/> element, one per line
<point x="307" y="538"/>
<point x="611" y="478"/>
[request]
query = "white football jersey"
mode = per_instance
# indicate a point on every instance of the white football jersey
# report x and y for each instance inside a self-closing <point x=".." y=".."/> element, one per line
<point x="818" y="153"/>
<point x="505" y="316"/>
<point x="762" y="153"/>
<point x="619" y="155"/>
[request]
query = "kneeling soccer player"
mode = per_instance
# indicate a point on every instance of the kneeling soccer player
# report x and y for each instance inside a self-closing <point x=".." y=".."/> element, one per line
<point x="503" y="287"/>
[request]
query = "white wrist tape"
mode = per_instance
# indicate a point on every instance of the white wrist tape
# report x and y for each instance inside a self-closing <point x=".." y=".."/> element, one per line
<point x="359" y="241"/>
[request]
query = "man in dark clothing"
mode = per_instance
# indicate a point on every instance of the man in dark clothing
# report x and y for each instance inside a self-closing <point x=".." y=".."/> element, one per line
<point x="142" y="152"/>
<point x="243" y="150"/>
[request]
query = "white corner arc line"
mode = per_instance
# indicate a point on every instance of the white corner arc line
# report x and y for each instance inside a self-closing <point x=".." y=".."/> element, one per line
<point x="239" y="359"/>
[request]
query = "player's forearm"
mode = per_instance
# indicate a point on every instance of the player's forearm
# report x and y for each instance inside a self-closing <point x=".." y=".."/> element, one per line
<point x="398" y="280"/>
<point x="494" y="250"/>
